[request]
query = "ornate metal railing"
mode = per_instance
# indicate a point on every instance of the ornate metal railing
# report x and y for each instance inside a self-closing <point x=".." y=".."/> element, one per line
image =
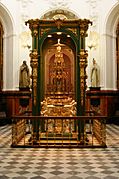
<point x="59" y="131"/>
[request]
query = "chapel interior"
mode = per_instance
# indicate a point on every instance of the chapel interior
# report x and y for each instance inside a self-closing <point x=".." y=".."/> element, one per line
<point x="68" y="95"/>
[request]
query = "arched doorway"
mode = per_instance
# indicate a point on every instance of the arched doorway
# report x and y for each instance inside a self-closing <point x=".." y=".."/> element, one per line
<point x="1" y="56"/>
<point x="110" y="53"/>
<point x="8" y="40"/>
<point x="117" y="54"/>
<point x="59" y="65"/>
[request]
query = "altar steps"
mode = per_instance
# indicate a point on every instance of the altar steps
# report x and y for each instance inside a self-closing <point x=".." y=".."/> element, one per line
<point x="64" y="142"/>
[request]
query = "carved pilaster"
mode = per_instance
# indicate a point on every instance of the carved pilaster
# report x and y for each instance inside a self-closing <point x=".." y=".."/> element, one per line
<point x="34" y="65"/>
<point x="83" y="57"/>
<point x="83" y="64"/>
<point x="34" y="27"/>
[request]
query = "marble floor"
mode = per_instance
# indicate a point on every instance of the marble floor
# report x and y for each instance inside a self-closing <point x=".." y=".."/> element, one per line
<point x="42" y="163"/>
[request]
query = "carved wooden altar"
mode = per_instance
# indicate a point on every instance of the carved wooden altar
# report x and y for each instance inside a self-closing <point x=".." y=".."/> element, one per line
<point x="68" y="33"/>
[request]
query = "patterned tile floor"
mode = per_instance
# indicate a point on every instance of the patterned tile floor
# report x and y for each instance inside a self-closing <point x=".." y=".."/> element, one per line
<point x="41" y="163"/>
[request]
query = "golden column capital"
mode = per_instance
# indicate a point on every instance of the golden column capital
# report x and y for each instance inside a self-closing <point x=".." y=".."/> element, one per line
<point x="33" y="26"/>
<point x="84" y="23"/>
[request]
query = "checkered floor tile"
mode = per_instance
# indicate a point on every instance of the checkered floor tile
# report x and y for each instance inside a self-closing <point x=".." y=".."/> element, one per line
<point x="41" y="163"/>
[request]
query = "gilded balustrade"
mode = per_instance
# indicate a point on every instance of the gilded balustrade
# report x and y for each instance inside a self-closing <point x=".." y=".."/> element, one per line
<point x="56" y="136"/>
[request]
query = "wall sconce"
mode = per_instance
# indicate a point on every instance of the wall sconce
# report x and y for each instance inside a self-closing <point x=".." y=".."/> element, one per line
<point x="92" y="44"/>
<point x="27" y="46"/>
<point x="93" y="40"/>
<point x="25" y="39"/>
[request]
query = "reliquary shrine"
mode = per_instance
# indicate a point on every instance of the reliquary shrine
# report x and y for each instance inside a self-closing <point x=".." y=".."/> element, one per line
<point x="58" y="62"/>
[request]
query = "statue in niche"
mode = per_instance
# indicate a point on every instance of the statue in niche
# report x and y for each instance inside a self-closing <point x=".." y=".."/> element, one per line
<point x="95" y="74"/>
<point x="24" y="77"/>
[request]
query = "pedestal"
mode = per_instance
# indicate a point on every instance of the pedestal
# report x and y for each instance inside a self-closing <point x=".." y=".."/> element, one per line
<point x="94" y="88"/>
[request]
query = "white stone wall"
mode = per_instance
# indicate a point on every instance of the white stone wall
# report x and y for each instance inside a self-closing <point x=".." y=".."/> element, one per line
<point x="17" y="39"/>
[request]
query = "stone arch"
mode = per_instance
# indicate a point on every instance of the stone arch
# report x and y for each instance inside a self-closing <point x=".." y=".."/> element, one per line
<point x="110" y="47"/>
<point x="112" y="20"/>
<point x="117" y="53"/>
<point x="7" y="23"/>
<point x="1" y="56"/>
<point x="61" y="12"/>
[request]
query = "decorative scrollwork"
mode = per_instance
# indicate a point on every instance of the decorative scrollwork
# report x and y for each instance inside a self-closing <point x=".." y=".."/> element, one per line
<point x="83" y="63"/>
<point x="84" y="26"/>
<point x="58" y="22"/>
<point x="34" y="65"/>
<point x="33" y="25"/>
